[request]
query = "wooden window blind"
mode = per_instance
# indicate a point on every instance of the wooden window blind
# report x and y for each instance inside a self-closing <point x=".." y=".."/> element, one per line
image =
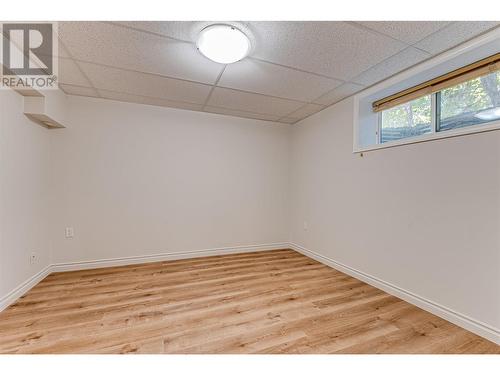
<point x="466" y="73"/>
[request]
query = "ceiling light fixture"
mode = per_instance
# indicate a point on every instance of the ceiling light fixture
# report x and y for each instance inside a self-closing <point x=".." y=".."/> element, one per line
<point x="224" y="44"/>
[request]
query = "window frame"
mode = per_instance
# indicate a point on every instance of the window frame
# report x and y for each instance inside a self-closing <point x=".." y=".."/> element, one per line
<point x="473" y="129"/>
<point x="435" y="124"/>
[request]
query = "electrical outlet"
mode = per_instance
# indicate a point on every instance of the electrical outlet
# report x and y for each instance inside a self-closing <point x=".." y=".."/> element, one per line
<point x="33" y="258"/>
<point x="69" y="232"/>
<point x="305" y="225"/>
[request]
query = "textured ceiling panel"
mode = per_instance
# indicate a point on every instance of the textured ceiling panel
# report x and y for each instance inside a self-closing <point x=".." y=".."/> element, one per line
<point x="289" y="120"/>
<point x="335" y="49"/>
<point x="107" y="44"/>
<point x="78" y="90"/>
<point x="407" y="31"/>
<point x="70" y="73"/>
<point x="180" y="30"/>
<point x="123" y="97"/>
<point x="269" y="79"/>
<point x="453" y="35"/>
<point x="339" y="93"/>
<point x="61" y="50"/>
<point x="130" y="82"/>
<point x="294" y="69"/>
<point x="306" y="110"/>
<point x="233" y="112"/>
<point x="388" y="67"/>
<point x="250" y="102"/>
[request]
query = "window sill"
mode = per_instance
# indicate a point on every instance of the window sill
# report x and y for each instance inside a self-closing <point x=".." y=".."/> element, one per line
<point x="480" y="128"/>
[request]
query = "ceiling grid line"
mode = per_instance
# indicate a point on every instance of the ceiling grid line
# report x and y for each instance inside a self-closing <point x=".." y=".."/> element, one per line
<point x="186" y="80"/>
<point x="117" y="24"/>
<point x="280" y="81"/>
<point x="213" y="87"/>
<point x="370" y="30"/>
<point x="66" y="49"/>
<point x="152" y="97"/>
<point x="353" y="80"/>
<point x="249" y="57"/>
<point x="142" y="72"/>
<point x="296" y="69"/>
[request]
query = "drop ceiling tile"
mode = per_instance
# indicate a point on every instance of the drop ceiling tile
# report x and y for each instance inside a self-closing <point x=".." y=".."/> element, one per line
<point x="289" y="120"/>
<point x="121" y="47"/>
<point x="407" y="31"/>
<point x="454" y="34"/>
<point x="335" y="49"/>
<point x="391" y="66"/>
<point x="136" y="83"/>
<point x="339" y="93"/>
<point x="123" y="97"/>
<point x="61" y="50"/>
<point x="79" y="90"/>
<point x="70" y="73"/>
<point x="232" y="112"/>
<point x="182" y="30"/>
<point x="270" y="79"/>
<point x="306" y="110"/>
<point x="250" y="102"/>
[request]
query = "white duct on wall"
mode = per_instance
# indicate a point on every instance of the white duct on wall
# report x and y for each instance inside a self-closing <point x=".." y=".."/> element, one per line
<point x="48" y="110"/>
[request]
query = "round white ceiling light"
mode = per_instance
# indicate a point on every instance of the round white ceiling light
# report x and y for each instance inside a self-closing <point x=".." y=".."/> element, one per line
<point x="222" y="43"/>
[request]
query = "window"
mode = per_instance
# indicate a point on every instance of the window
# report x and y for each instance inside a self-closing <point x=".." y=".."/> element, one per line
<point x="469" y="96"/>
<point x="473" y="102"/>
<point x="470" y="103"/>
<point x="406" y="120"/>
<point x="450" y="95"/>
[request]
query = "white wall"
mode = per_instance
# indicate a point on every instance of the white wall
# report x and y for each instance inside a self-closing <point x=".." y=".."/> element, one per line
<point x="424" y="217"/>
<point x="137" y="180"/>
<point x="24" y="194"/>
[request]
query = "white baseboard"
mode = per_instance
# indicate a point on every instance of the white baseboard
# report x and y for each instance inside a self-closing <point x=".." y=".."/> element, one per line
<point x="468" y="323"/>
<point x="455" y="317"/>
<point x="20" y="290"/>
<point x="123" y="261"/>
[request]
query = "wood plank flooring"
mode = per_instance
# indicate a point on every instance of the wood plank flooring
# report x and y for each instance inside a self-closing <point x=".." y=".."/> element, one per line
<point x="266" y="302"/>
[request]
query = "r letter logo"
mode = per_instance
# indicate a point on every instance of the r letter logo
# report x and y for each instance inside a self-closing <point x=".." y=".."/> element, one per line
<point x="29" y="56"/>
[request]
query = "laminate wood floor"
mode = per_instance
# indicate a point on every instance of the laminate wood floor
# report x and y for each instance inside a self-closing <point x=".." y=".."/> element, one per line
<point x="266" y="302"/>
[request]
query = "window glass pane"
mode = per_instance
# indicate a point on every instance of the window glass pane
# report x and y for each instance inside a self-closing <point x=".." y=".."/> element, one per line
<point x="406" y="120"/>
<point x="470" y="103"/>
